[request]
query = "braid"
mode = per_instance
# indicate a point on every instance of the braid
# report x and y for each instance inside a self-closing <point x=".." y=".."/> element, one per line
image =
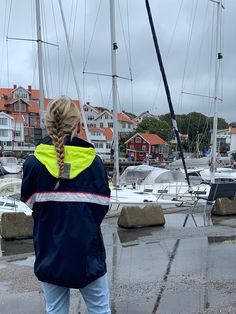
<point x="62" y="119"/>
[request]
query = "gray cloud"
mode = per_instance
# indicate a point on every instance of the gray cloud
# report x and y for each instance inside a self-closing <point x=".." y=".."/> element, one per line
<point x="189" y="64"/>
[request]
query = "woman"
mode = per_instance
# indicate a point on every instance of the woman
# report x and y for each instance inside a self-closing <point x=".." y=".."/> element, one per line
<point x="66" y="186"/>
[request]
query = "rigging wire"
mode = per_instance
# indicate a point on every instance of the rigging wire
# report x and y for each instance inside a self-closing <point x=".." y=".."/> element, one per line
<point x="4" y="33"/>
<point x="72" y="43"/>
<point x="66" y="54"/>
<point x="100" y="89"/>
<point x="91" y="39"/>
<point x="8" y="26"/>
<point x="58" y="49"/>
<point x="33" y="35"/>
<point x="46" y="57"/>
<point x="168" y="96"/>
<point x="84" y="45"/>
<point x="130" y="61"/>
<point x="123" y="33"/>
<point x="168" y="51"/>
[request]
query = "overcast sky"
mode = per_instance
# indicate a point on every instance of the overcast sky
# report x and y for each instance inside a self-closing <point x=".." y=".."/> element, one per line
<point x="186" y="33"/>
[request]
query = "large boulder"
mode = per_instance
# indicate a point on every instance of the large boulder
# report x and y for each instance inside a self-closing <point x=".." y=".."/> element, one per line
<point x="224" y="206"/>
<point x="16" y="226"/>
<point x="135" y="216"/>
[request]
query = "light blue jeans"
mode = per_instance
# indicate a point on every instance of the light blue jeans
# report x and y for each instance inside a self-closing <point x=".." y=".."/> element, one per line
<point x="95" y="295"/>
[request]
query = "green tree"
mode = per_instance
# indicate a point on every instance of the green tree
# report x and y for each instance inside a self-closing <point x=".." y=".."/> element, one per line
<point x="155" y="126"/>
<point x="197" y="126"/>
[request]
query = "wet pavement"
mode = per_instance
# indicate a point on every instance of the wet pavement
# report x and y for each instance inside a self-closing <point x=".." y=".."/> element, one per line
<point x="167" y="269"/>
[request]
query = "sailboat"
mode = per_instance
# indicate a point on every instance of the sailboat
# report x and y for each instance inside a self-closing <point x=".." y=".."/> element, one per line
<point x="166" y="192"/>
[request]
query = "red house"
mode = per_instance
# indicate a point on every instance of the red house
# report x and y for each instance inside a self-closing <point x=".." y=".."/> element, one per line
<point x="145" y="145"/>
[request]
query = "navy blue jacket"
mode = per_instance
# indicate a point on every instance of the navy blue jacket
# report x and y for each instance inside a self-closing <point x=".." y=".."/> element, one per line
<point x="67" y="237"/>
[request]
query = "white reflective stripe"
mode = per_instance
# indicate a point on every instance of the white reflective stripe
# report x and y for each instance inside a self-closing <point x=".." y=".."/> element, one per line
<point x="68" y="197"/>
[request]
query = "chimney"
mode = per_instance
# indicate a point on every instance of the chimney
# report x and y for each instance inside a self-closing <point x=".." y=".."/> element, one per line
<point x="14" y="86"/>
<point x="29" y="88"/>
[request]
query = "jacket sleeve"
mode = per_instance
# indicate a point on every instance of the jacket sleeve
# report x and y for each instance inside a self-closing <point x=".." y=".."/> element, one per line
<point x="28" y="187"/>
<point x="102" y="188"/>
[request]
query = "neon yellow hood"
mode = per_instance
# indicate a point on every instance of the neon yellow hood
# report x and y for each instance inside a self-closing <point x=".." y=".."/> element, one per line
<point x="77" y="159"/>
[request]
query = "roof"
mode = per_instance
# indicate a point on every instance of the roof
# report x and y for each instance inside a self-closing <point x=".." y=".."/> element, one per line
<point x="17" y="117"/>
<point x="123" y="118"/>
<point x="6" y="91"/>
<point x="108" y="133"/>
<point x="2" y="105"/>
<point x="6" y="115"/>
<point x="152" y="139"/>
<point x="147" y="114"/>
<point x="120" y="116"/>
<point x="104" y="112"/>
<point x="96" y="109"/>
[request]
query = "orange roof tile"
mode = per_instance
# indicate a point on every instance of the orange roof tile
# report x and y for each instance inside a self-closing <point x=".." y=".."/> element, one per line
<point x="33" y="107"/>
<point x="17" y="117"/>
<point x="6" y="91"/>
<point x="108" y="133"/>
<point x="123" y="118"/>
<point x="94" y="129"/>
<point x="34" y="94"/>
<point x="152" y="138"/>
<point x="2" y="105"/>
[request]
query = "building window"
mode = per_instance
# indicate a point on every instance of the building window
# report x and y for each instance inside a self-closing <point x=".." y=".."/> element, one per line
<point x="123" y="125"/>
<point x="144" y="147"/>
<point x="3" y="121"/>
<point x="131" y="146"/>
<point x="108" y="145"/>
<point x="98" y="145"/>
<point x="17" y="133"/>
<point x="3" y="133"/>
<point x="101" y="124"/>
<point x="129" y="126"/>
<point x="110" y="124"/>
<point x="138" y="139"/>
<point x="106" y="116"/>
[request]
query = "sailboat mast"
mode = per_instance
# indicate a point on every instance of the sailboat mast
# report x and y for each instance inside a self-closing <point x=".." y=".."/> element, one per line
<point x="167" y="90"/>
<point x="216" y="87"/>
<point x="40" y="65"/>
<point x="114" y="48"/>
<point x="74" y="72"/>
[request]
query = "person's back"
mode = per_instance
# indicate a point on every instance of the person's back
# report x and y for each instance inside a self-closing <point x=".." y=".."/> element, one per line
<point x="66" y="186"/>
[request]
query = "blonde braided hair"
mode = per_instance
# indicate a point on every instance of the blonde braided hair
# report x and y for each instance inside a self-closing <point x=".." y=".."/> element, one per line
<point x="61" y="119"/>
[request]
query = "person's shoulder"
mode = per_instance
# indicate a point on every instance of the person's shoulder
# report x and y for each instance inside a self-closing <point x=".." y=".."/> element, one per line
<point x="30" y="160"/>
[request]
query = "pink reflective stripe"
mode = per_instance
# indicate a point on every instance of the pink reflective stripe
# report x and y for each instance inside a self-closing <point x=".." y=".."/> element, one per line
<point x="68" y="197"/>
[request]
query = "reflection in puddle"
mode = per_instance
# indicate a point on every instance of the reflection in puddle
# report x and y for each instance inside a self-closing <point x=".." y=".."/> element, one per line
<point x="151" y="274"/>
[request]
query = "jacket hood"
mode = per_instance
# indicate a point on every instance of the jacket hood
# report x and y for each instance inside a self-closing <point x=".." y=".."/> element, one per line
<point x="76" y="158"/>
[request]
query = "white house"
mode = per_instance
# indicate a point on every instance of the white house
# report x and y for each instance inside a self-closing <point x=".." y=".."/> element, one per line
<point x="105" y="120"/>
<point x="101" y="138"/>
<point x="6" y="128"/>
<point x="11" y="132"/>
<point x="226" y="137"/>
<point x="146" y="114"/>
<point x="91" y="113"/>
